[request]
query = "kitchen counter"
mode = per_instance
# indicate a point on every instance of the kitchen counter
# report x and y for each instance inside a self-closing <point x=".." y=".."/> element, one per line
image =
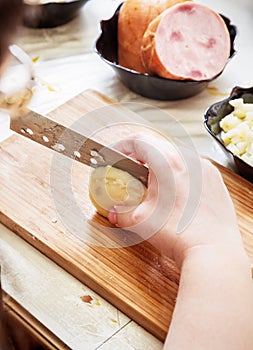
<point x="66" y="65"/>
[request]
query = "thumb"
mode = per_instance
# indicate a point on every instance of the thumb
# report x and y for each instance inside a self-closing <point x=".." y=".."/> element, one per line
<point x="122" y="216"/>
<point x="135" y="218"/>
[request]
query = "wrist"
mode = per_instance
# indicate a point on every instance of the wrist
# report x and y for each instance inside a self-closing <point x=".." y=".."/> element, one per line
<point x="213" y="239"/>
<point x="231" y="256"/>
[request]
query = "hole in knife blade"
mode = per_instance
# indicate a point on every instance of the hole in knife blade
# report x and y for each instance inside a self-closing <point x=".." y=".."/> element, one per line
<point x="23" y="131"/>
<point x="93" y="161"/>
<point x="97" y="156"/>
<point x="94" y="153"/>
<point x="59" y="147"/>
<point x="29" y="131"/>
<point x="45" y="139"/>
<point x="77" y="154"/>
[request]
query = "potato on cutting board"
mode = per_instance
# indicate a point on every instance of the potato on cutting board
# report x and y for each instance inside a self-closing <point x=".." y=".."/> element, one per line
<point x="109" y="186"/>
<point x="134" y="17"/>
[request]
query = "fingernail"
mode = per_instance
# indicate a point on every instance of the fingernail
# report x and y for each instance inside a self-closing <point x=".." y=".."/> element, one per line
<point x="112" y="216"/>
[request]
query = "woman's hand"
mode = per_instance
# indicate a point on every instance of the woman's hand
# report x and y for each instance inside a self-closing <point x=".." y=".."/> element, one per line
<point x="187" y="204"/>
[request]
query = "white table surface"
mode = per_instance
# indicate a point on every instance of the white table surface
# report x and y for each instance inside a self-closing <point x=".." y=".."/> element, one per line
<point x="68" y="64"/>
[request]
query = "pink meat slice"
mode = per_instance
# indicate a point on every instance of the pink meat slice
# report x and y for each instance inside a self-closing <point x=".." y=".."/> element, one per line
<point x="187" y="41"/>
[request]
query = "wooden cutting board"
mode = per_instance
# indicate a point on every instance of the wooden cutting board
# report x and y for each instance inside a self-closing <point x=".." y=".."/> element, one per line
<point x="44" y="199"/>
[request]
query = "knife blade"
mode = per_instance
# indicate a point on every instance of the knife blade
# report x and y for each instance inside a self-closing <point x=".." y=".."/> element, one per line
<point x="72" y="144"/>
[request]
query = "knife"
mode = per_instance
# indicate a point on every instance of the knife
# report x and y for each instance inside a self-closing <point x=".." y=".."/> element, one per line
<point x="72" y="144"/>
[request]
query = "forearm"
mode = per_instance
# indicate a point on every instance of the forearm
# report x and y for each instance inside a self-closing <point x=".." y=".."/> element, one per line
<point x="214" y="308"/>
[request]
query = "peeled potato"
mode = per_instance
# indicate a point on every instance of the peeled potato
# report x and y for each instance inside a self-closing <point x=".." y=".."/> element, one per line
<point x="110" y="186"/>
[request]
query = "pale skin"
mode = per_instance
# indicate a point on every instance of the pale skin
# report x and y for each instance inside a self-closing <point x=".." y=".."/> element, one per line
<point x="214" y="307"/>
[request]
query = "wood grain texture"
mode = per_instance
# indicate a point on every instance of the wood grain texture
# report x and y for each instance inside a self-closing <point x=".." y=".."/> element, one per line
<point x="25" y="331"/>
<point x="44" y="199"/>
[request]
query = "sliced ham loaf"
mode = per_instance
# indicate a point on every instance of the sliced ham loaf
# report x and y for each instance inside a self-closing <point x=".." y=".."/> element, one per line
<point x="134" y="17"/>
<point x="186" y="41"/>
